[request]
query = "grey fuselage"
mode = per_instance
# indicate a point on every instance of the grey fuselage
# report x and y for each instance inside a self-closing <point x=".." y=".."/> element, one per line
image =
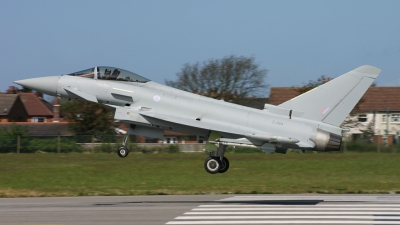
<point x="308" y="121"/>
<point x="192" y="113"/>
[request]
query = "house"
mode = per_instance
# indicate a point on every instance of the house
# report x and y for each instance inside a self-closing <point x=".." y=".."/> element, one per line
<point x="12" y="109"/>
<point x="30" y="110"/>
<point x="378" y="109"/>
<point x="36" y="108"/>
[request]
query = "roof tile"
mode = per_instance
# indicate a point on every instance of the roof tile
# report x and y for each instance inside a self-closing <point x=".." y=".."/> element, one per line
<point x="6" y="102"/>
<point x="34" y="106"/>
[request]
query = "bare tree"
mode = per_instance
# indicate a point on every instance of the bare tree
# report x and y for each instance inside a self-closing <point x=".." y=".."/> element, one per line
<point x="312" y="84"/>
<point x="232" y="78"/>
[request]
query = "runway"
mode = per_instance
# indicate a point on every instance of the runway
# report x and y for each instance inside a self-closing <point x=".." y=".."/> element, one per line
<point x="202" y="209"/>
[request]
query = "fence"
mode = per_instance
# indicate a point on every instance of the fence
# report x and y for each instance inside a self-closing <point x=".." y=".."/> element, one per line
<point x="31" y="144"/>
<point x="85" y="143"/>
<point x="93" y="144"/>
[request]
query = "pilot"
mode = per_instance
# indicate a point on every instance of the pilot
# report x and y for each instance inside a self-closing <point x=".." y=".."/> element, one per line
<point x="115" y="74"/>
<point x="107" y="74"/>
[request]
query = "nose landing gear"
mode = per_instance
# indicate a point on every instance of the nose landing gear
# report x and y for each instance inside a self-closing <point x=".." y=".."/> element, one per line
<point x="123" y="150"/>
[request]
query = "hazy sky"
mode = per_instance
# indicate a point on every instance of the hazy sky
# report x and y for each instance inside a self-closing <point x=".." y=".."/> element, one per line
<point x="296" y="41"/>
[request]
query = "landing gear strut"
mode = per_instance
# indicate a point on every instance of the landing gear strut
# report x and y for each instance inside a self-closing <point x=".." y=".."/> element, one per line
<point x="216" y="162"/>
<point x="123" y="150"/>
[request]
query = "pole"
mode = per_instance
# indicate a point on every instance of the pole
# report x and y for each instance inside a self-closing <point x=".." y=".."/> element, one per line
<point x="58" y="144"/>
<point x="92" y="148"/>
<point x="387" y="126"/>
<point x="18" y="144"/>
<point x="375" y="140"/>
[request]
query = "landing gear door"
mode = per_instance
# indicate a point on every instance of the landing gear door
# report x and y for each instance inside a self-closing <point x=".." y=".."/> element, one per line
<point x="146" y="131"/>
<point x="129" y="114"/>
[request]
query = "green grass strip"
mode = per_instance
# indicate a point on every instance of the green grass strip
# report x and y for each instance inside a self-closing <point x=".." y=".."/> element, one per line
<point x="140" y="174"/>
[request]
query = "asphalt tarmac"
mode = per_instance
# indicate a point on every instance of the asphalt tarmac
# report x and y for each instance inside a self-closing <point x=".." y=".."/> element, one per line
<point x="202" y="209"/>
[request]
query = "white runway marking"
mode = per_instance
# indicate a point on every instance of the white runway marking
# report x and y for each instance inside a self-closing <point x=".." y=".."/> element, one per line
<point x="294" y="209"/>
<point x="286" y="217"/>
<point x="330" y="198"/>
<point x="319" y="205"/>
<point x="286" y="222"/>
<point x="297" y="213"/>
<point x="320" y="213"/>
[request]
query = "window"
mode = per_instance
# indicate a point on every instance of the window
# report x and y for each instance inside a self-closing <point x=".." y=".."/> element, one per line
<point x="362" y="118"/>
<point x="111" y="73"/>
<point x="89" y="73"/>
<point x="38" y="119"/>
<point x="395" y="118"/>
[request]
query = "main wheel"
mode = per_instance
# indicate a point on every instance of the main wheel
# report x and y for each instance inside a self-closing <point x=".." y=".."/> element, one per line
<point x="212" y="165"/>
<point x="122" y="152"/>
<point x="224" y="165"/>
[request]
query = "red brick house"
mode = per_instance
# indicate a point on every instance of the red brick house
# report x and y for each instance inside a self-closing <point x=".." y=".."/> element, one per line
<point x="30" y="110"/>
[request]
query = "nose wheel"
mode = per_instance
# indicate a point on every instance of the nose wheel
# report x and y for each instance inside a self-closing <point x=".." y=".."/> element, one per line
<point x="122" y="152"/>
<point x="215" y="165"/>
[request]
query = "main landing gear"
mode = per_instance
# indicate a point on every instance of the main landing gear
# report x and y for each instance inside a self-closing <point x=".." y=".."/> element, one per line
<point x="123" y="150"/>
<point x="216" y="162"/>
<point x="215" y="165"/>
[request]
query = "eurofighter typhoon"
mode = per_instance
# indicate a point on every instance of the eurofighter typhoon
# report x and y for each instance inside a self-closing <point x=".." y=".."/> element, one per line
<point x="310" y="121"/>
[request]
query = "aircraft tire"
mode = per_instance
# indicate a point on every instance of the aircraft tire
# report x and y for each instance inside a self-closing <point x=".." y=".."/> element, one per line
<point x="122" y="152"/>
<point x="224" y="165"/>
<point x="212" y="165"/>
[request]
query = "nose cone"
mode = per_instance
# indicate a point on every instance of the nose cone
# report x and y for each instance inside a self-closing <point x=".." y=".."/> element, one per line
<point x="46" y="85"/>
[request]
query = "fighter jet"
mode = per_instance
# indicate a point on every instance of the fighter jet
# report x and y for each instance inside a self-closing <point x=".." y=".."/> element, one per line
<point x="310" y="121"/>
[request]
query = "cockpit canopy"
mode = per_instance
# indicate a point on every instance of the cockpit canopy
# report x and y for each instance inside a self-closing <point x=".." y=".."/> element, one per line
<point x="110" y="73"/>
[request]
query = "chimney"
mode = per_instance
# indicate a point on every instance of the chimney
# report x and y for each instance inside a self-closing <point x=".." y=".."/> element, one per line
<point x="56" y="111"/>
<point x="12" y="90"/>
<point x="39" y="95"/>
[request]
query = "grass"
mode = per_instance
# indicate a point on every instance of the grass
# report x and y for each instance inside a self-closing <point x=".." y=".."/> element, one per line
<point x="107" y="174"/>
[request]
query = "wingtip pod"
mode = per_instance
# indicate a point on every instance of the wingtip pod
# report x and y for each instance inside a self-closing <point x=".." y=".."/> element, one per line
<point x="366" y="69"/>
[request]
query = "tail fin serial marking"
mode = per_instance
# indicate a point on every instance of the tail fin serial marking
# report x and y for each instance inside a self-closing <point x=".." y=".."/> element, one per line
<point x="333" y="101"/>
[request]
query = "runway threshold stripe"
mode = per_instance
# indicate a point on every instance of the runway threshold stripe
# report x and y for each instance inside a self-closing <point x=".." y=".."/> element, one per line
<point x="320" y="205"/>
<point x="336" y="198"/>
<point x="294" y="209"/>
<point x="298" y="213"/>
<point x="313" y="197"/>
<point x="285" y="221"/>
<point x="287" y="217"/>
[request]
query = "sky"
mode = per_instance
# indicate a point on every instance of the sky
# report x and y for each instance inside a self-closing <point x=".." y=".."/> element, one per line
<point x="296" y="41"/>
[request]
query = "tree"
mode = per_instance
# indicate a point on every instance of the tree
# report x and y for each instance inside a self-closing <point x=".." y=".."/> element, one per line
<point x="312" y="84"/>
<point x="88" y="118"/>
<point x="232" y="78"/>
<point x="8" y="138"/>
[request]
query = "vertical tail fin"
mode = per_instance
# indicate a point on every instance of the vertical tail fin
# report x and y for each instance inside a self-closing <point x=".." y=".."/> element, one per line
<point x="334" y="100"/>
